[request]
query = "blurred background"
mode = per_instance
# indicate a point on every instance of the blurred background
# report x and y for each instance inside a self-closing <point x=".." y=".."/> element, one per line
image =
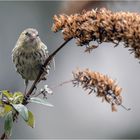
<point x="75" y="114"/>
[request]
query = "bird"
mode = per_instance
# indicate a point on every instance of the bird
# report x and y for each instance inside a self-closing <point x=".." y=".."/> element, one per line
<point x="29" y="55"/>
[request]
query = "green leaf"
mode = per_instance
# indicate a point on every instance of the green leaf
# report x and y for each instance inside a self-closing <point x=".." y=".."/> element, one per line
<point x="18" y="98"/>
<point x="8" y="123"/>
<point x="31" y="119"/>
<point x="1" y="103"/>
<point x="0" y="95"/>
<point x="2" y="113"/>
<point x="7" y="94"/>
<point x="4" y="109"/>
<point x="40" y="101"/>
<point x="22" y="110"/>
<point x="7" y="108"/>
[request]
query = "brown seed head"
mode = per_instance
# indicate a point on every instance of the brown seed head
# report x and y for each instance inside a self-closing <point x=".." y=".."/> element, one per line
<point x="100" y="84"/>
<point x="101" y="26"/>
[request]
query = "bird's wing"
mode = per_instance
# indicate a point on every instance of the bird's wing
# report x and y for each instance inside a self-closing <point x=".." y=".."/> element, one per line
<point x="47" y="52"/>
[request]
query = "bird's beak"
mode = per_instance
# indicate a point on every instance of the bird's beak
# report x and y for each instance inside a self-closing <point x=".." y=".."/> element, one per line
<point x="33" y="37"/>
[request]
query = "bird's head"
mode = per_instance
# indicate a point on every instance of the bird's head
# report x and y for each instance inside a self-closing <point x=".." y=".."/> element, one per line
<point x="29" y="37"/>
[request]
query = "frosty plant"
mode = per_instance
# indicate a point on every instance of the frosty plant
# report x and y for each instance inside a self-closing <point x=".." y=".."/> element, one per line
<point x="90" y="29"/>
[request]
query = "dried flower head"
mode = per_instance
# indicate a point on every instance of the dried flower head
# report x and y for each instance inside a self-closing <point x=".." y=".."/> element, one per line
<point x="101" y="26"/>
<point x="100" y="84"/>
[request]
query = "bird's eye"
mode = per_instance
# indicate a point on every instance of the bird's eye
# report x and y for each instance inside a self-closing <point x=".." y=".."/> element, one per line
<point x="37" y="35"/>
<point x="27" y="34"/>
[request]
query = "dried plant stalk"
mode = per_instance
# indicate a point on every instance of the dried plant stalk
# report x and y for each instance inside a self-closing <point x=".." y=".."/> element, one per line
<point x="101" y="26"/>
<point x="100" y="84"/>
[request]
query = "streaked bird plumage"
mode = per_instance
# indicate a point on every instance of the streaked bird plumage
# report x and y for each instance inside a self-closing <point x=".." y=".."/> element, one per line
<point x="29" y="54"/>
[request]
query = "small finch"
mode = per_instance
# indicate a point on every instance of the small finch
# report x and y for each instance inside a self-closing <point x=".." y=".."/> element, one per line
<point x="29" y="55"/>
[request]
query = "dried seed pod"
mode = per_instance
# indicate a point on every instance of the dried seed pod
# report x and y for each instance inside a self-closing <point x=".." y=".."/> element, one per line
<point x="101" y="26"/>
<point x="99" y="83"/>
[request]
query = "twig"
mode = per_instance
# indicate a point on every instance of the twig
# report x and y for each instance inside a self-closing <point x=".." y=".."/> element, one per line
<point x="61" y="84"/>
<point x="41" y="71"/>
<point x="4" y="136"/>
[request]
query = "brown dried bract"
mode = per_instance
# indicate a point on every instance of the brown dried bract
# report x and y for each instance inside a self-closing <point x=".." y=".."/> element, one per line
<point x="90" y="48"/>
<point x="101" y="26"/>
<point x="100" y="84"/>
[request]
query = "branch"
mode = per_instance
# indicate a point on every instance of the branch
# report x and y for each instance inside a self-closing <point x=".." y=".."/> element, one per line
<point x="41" y="71"/>
<point x="4" y="136"/>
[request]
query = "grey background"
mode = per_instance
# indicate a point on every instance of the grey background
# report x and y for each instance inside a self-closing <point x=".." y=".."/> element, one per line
<point x="75" y="114"/>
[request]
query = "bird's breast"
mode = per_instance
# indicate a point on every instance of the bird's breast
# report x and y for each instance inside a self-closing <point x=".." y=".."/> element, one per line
<point x="28" y="64"/>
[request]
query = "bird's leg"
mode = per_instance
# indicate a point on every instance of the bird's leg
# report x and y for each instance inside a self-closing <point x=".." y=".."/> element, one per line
<point x="26" y="85"/>
<point x="45" y="70"/>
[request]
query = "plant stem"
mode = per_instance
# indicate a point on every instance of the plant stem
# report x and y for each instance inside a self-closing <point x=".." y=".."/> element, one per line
<point x="45" y="64"/>
<point x="4" y="136"/>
